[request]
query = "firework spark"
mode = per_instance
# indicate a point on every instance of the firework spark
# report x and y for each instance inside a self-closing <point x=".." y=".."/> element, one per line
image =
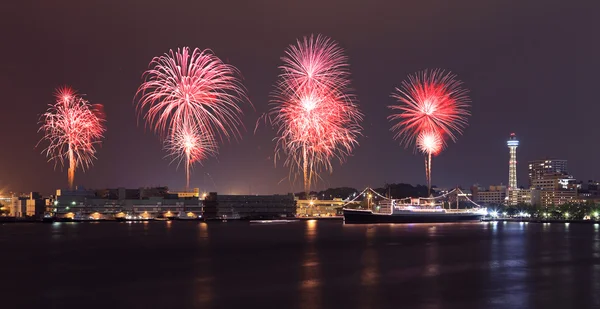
<point x="433" y="106"/>
<point x="429" y="143"/>
<point x="185" y="92"/>
<point x="73" y="127"/>
<point x="189" y="144"/>
<point x="316" y="117"/>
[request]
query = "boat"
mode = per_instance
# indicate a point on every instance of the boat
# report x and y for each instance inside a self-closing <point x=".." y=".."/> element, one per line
<point x="418" y="210"/>
<point x="48" y="218"/>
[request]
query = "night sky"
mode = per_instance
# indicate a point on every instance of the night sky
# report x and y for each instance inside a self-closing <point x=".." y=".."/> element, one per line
<point x="532" y="68"/>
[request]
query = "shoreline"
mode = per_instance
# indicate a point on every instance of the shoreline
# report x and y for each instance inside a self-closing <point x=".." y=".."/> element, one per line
<point x="539" y="220"/>
<point x="34" y="220"/>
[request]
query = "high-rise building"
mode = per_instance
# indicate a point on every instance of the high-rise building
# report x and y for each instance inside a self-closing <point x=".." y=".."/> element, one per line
<point x="512" y="143"/>
<point x="539" y="168"/>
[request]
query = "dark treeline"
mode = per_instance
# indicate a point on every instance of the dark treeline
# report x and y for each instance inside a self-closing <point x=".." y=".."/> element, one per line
<point x="394" y="190"/>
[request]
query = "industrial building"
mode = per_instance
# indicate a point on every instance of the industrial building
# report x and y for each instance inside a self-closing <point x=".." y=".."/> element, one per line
<point x="111" y="203"/>
<point x="249" y="206"/>
<point x="27" y="205"/>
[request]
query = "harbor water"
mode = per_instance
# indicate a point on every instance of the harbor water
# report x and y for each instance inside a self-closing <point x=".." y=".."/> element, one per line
<point x="303" y="264"/>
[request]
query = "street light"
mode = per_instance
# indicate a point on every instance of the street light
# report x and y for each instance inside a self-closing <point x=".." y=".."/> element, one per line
<point x="566" y="214"/>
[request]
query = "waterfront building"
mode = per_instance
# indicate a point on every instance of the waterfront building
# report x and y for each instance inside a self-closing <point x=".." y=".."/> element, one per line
<point x="539" y="168"/>
<point x="556" y="189"/>
<point x="319" y="208"/>
<point x="558" y="197"/>
<point x="494" y="195"/>
<point x="27" y="205"/>
<point x="188" y="194"/>
<point x="521" y="196"/>
<point x="18" y="206"/>
<point x="249" y="206"/>
<point x="35" y="205"/>
<point x="111" y="203"/>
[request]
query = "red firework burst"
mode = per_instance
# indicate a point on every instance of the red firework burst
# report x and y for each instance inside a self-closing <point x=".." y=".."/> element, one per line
<point x="195" y="91"/>
<point x="316" y="118"/>
<point x="73" y="127"/>
<point x="430" y="101"/>
<point x="433" y="106"/>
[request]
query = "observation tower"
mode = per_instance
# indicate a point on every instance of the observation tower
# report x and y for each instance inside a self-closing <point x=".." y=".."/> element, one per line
<point x="512" y="143"/>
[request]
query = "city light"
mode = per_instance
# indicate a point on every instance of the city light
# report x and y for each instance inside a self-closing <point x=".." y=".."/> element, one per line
<point x="566" y="214"/>
<point x="596" y="214"/>
<point x="494" y="214"/>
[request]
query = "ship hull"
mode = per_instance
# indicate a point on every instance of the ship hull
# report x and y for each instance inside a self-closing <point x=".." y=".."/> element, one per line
<point x="358" y="216"/>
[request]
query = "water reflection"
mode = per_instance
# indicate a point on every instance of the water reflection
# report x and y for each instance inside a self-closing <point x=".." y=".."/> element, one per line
<point x="310" y="293"/>
<point x="595" y="267"/>
<point x="432" y="268"/>
<point x="369" y="276"/>
<point x="204" y="280"/>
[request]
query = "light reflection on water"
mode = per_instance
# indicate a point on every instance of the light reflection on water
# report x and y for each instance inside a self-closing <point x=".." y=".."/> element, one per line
<point x="369" y="274"/>
<point x="204" y="278"/>
<point x="309" y="289"/>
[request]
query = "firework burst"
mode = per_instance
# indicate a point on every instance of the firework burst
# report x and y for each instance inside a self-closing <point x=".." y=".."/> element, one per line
<point x="316" y="117"/>
<point x="432" y="106"/>
<point x="430" y="101"/>
<point x="189" y="144"/>
<point x="73" y="127"/>
<point x="429" y="143"/>
<point x="193" y="94"/>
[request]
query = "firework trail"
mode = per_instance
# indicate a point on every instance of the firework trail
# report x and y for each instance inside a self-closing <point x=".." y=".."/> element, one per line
<point x="432" y="106"/>
<point x="316" y="117"/>
<point x="191" y="93"/>
<point x="73" y="127"/>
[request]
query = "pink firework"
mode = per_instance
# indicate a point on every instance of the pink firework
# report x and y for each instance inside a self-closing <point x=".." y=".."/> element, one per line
<point x="430" y="101"/>
<point x="196" y="90"/>
<point x="432" y="106"/>
<point x="315" y="64"/>
<point x="316" y="118"/>
<point x="73" y="127"/>
<point x="429" y="143"/>
<point x="189" y="144"/>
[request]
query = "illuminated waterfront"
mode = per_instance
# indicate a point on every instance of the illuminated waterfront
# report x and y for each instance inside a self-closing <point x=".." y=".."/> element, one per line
<point x="305" y="264"/>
